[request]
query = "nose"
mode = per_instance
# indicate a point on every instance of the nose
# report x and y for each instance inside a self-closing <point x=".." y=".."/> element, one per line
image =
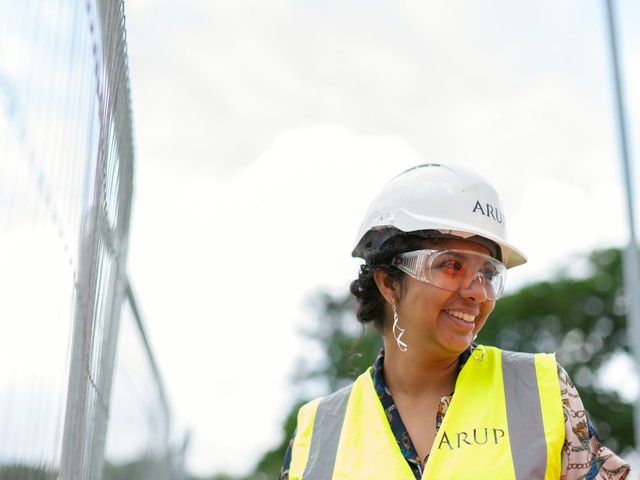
<point x="476" y="290"/>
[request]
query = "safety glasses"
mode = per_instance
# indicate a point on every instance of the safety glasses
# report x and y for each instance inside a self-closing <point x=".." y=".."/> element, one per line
<point x="454" y="269"/>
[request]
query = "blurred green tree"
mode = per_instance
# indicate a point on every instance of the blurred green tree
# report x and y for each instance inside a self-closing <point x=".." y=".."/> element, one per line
<point x="580" y="315"/>
<point x="23" y="472"/>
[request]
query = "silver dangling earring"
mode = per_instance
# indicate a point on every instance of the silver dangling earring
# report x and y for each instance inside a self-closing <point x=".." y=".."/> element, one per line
<point x="401" y="345"/>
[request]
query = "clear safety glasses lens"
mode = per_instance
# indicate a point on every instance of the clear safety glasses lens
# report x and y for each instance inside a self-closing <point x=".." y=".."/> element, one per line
<point x="454" y="269"/>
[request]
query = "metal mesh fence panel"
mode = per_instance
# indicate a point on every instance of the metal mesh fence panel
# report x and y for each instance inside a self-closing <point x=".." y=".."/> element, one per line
<point x="66" y="176"/>
<point x="139" y="423"/>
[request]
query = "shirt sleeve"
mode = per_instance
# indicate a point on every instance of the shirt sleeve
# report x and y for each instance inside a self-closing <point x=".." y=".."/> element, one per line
<point x="286" y="463"/>
<point x="584" y="457"/>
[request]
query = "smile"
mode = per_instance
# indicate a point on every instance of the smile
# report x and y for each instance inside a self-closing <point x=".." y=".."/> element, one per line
<point x="462" y="316"/>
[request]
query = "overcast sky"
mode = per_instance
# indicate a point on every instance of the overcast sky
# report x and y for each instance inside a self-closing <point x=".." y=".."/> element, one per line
<point x="264" y="128"/>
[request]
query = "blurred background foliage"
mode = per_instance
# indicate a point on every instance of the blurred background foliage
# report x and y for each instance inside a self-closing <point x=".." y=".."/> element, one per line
<point x="579" y="314"/>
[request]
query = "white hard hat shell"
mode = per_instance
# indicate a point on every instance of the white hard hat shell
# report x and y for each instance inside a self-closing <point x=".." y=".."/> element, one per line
<point x="450" y="200"/>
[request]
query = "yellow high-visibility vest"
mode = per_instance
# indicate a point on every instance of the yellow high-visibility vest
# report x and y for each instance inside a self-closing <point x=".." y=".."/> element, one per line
<point x="504" y="422"/>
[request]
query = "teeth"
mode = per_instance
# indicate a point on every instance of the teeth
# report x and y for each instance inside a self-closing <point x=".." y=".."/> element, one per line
<point x="463" y="316"/>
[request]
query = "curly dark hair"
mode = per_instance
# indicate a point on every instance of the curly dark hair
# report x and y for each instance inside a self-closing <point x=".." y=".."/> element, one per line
<point x="370" y="308"/>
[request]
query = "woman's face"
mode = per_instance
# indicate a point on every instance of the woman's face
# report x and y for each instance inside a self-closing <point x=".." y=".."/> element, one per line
<point x="442" y="322"/>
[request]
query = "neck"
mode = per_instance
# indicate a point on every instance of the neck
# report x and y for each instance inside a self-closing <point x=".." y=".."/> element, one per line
<point x="408" y="373"/>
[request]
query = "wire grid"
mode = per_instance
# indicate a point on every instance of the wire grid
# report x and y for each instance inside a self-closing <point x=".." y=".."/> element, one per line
<point x="66" y="178"/>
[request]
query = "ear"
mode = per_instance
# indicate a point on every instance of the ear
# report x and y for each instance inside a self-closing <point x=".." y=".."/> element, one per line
<point x="389" y="288"/>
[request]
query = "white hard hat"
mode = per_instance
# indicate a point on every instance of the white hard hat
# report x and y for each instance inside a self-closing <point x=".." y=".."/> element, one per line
<point x="447" y="200"/>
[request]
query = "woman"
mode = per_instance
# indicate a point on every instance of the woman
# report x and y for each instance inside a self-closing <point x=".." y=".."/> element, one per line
<point x="435" y="405"/>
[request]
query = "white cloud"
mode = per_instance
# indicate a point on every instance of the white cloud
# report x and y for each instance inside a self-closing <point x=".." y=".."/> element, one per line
<point x="232" y="277"/>
<point x="230" y="285"/>
<point x="265" y="128"/>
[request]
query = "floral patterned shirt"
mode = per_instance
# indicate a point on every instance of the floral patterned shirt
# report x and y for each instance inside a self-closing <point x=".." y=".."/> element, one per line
<point x="583" y="455"/>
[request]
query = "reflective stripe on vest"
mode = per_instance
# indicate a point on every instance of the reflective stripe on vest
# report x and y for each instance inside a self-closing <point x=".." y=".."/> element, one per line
<point x="524" y="414"/>
<point x="326" y="433"/>
<point x="515" y="432"/>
